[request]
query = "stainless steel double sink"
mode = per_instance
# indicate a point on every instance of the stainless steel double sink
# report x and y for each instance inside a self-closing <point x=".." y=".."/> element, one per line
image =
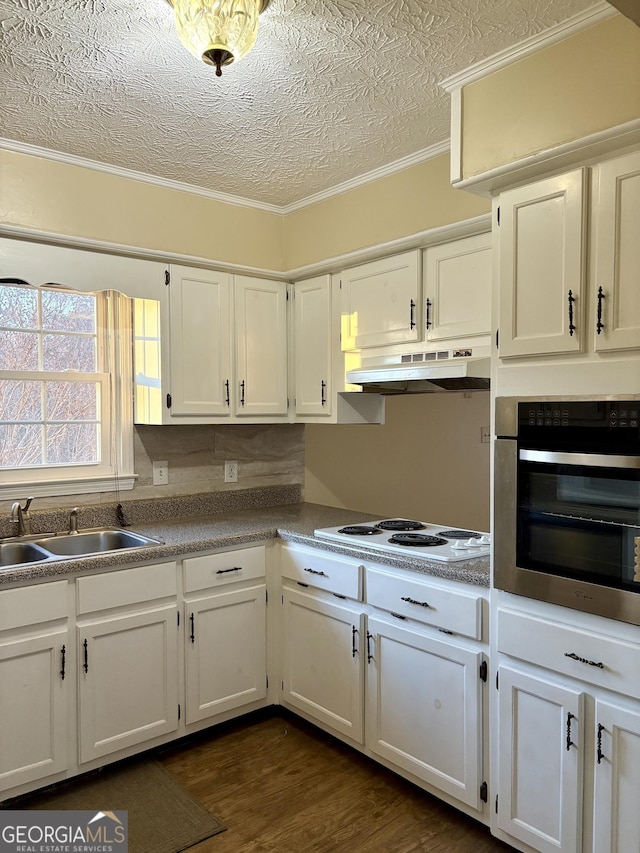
<point x="41" y="547"/>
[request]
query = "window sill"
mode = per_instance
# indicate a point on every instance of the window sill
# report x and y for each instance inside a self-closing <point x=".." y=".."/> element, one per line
<point x="53" y="488"/>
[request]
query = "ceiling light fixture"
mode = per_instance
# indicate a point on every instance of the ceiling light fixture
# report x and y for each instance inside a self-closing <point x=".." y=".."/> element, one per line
<point x="218" y="31"/>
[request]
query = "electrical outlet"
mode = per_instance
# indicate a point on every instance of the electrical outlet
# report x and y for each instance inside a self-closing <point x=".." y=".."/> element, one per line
<point x="231" y="472"/>
<point x="160" y="473"/>
<point x="485" y="435"/>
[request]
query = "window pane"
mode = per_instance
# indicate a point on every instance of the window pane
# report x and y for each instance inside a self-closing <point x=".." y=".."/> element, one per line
<point x="71" y="401"/>
<point x="18" y="307"/>
<point x="69" y="352"/>
<point x="18" y="351"/>
<point x="20" y="400"/>
<point x="69" y="444"/>
<point x="68" y="312"/>
<point x="20" y="445"/>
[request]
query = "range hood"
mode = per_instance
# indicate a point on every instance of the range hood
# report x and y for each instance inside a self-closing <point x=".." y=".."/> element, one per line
<point x="427" y="372"/>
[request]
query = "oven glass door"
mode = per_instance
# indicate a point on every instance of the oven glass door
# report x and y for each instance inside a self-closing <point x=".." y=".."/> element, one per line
<point x="579" y="517"/>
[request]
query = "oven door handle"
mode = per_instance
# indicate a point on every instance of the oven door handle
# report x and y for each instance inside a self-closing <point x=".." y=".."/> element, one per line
<point x="589" y="460"/>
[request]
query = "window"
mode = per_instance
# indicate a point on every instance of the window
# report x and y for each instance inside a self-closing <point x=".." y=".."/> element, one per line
<point x="62" y="386"/>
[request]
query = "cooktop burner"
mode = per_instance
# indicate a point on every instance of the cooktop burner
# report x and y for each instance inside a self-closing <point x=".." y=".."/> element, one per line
<point x="459" y="534"/>
<point x="400" y="524"/>
<point x="359" y="530"/>
<point x="418" y="539"/>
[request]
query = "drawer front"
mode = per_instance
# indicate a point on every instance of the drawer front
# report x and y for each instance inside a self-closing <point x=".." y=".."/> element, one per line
<point x="406" y="595"/>
<point x="129" y="586"/>
<point x="31" y="605"/>
<point x="323" y="570"/>
<point x="227" y="567"/>
<point x="604" y="661"/>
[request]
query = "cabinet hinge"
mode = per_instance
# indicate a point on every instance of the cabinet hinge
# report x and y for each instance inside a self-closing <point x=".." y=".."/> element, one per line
<point x="168" y="401"/>
<point x="483" y="671"/>
<point x="498" y="215"/>
<point x="179" y="711"/>
<point x="167" y="277"/>
<point x="496" y="804"/>
<point x="484" y="792"/>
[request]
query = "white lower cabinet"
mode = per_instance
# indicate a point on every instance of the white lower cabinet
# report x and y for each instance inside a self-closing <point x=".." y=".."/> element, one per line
<point x="128" y="659"/>
<point x="35" y="689"/>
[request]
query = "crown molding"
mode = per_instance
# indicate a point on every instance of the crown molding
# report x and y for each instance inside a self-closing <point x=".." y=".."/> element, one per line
<point x="601" y="11"/>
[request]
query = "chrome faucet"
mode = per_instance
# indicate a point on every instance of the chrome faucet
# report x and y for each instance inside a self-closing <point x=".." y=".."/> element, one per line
<point x="20" y="516"/>
<point x="73" y="520"/>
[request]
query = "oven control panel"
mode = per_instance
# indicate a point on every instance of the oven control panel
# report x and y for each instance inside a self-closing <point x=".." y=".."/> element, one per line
<point x="590" y="414"/>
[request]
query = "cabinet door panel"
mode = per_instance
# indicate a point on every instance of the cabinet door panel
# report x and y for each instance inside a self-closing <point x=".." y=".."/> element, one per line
<point x="312" y="346"/>
<point x="34" y="709"/>
<point x="617" y="252"/>
<point x="540" y="775"/>
<point x="617" y="778"/>
<point x="542" y="259"/>
<point x="322" y="666"/>
<point x="424" y="708"/>
<point x="200" y="328"/>
<point x="225" y="652"/>
<point x="129" y="693"/>
<point x="261" y="346"/>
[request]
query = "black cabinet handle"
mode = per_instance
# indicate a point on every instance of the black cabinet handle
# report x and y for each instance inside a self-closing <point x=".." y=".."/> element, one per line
<point x="242" y="393"/>
<point x="227" y="397"/>
<point x="369" y="655"/>
<point x="224" y="571"/>
<point x="323" y="393"/>
<point x="85" y="665"/>
<point x="599" y="753"/>
<point x="570" y="743"/>
<point x="413" y="601"/>
<point x="63" y="656"/>
<point x="574" y="656"/>
<point x="316" y="572"/>
<point x="354" y="632"/>
<point x="192" y="636"/>
<point x="600" y="324"/>
<point x="571" y="299"/>
<point x="428" y="322"/>
<point x="412" y="313"/>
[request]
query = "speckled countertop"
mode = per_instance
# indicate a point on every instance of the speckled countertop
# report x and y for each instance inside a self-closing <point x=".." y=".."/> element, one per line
<point x="293" y="522"/>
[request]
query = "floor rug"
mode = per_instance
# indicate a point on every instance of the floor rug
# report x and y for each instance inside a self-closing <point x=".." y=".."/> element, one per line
<point x="163" y="817"/>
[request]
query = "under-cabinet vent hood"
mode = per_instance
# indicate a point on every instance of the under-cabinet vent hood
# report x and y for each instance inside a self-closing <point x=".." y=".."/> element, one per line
<point x="420" y="373"/>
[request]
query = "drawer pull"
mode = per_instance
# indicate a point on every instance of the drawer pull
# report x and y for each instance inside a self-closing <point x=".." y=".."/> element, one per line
<point x="397" y="615"/>
<point x="574" y="656"/>
<point x="316" y="572"/>
<point x="599" y="753"/>
<point x="192" y="635"/>
<point x="63" y="655"/>
<point x="369" y="655"/>
<point x="224" y="571"/>
<point x="570" y="743"/>
<point x="85" y="665"/>
<point x="413" y="601"/>
<point x="354" y="633"/>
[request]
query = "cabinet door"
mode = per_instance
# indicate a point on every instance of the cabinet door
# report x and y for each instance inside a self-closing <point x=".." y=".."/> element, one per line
<point x="200" y="332"/>
<point x="261" y="346"/>
<point x="542" y="267"/>
<point x="424" y="708"/>
<point x="322" y="665"/>
<point x="457" y="279"/>
<point x="128" y="680"/>
<point x="34" y="708"/>
<point x="226" y="664"/>
<point x="312" y="345"/>
<point x="381" y="302"/>
<point x="540" y="762"/>
<point x="617" y="778"/>
<point x="617" y="254"/>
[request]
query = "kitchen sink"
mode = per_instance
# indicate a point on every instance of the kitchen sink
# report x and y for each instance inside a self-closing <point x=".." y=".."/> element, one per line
<point x="96" y="540"/>
<point x="18" y="553"/>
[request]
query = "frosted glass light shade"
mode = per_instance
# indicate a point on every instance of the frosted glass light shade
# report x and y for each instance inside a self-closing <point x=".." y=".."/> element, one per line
<point x="218" y="31"/>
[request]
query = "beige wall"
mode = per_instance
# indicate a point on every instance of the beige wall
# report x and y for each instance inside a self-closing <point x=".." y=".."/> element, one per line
<point x="74" y="201"/>
<point x="585" y="84"/>
<point x="425" y="462"/>
<point x="408" y="202"/>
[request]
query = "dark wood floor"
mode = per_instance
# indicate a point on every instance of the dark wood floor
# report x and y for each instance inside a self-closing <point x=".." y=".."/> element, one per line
<point x="279" y="784"/>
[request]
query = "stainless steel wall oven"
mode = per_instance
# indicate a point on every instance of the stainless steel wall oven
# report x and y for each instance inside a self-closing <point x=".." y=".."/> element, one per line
<point x="567" y="503"/>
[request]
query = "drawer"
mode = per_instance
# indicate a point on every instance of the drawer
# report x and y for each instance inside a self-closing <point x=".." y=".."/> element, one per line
<point x="223" y="568"/>
<point x="129" y="586"/>
<point x="32" y="605"/>
<point x="407" y="595"/>
<point x="323" y="570"/>
<point x="604" y="661"/>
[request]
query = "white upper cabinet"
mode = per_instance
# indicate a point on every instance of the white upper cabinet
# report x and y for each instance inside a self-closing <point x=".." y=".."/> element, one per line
<point x="542" y="268"/>
<point x="617" y="254"/>
<point x="261" y="347"/>
<point x="200" y="330"/>
<point x="457" y="288"/>
<point x="312" y="346"/>
<point x="381" y="302"/>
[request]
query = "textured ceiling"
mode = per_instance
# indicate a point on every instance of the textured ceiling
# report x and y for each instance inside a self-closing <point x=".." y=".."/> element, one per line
<point x="332" y="90"/>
